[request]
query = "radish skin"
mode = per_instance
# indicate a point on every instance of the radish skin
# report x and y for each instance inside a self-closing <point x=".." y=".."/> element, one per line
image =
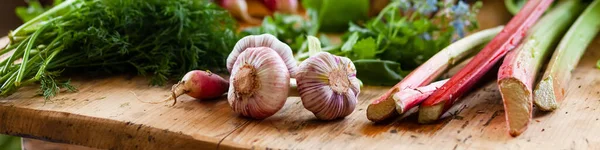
<point x="239" y="9"/>
<point x="384" y="107"/>
<point x="285" y="6"/>
<point x="441" y="100"/>
<point x="200" y="85"/>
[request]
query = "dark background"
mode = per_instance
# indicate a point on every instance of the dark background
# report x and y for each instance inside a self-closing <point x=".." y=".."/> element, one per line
<point x="8" y="19"/>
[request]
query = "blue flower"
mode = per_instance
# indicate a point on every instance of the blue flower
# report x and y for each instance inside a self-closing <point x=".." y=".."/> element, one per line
<point x="461" y="9"/>
<point x="404" y="5"/>
<point x="459" y="27"/>
<point x="426" y="36"/>
<point x="426" y="7"/>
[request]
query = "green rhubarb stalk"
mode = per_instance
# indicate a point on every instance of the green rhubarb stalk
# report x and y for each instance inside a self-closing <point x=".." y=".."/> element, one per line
<point x="517" y="74"/>
<point x="551" y="88"/>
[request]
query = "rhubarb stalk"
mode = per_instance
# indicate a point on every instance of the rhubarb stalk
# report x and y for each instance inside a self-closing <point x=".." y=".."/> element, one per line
<point x="441" y="100"/>
<point x="384" y="107"/>
<point x="518" y="72"/>
<point x="409" y="98"/>
<point x="551" y="88"/>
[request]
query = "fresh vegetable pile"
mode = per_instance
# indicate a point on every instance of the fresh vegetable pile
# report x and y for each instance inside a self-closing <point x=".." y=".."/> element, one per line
<point x="410" y="43"/>
<point x="158" y="38"/>
<point x="385" y="48"/>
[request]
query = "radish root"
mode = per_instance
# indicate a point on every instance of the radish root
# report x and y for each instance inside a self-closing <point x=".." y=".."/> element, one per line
<point x="177" y="90"/>
<point x="138" y="99"/>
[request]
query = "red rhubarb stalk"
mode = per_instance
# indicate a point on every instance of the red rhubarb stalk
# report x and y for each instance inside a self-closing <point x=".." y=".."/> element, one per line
<point x="384" y="107"/>
<point x="551" y="88"/>
<point x="441" y="100"/>
<point x="520" y="67"/>
<point x="410" y="98"/>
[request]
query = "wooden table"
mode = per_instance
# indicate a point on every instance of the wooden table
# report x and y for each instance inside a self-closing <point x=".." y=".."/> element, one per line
<point x="107" y="113"/>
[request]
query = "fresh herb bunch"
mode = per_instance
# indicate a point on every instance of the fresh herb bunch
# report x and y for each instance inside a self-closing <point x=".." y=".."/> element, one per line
<point x="159" y="38"/>
<point x="291" y="29"/>
<point x="404" y="35"/>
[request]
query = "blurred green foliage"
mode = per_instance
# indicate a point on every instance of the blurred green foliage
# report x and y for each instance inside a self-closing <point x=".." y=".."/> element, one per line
<point x="10" y="142"/>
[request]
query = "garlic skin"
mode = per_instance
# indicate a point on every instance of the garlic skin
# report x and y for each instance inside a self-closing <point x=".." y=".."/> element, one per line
<point x="259" y="83"/>
<point x="328" y="86"/>
<point x="264" y="40"/>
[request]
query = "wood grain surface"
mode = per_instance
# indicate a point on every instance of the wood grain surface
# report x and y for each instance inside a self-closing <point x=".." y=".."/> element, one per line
<point x="108" y="113"/>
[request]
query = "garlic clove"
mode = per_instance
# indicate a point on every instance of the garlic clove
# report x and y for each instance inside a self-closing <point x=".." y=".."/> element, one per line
<point x="259" y="83"/>
<point x="328" y="86"/>
<point x="264" y="40"/>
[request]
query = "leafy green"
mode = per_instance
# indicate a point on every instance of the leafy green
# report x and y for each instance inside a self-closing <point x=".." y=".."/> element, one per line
<point x="404" y="35"/>
<point x="407" y="41"/>
<point x="334" y="15"/>
<point x="10" y="142"/>
<point x="161" y="39"/>
<point x="378" y="72"/>
<point x="364" y="49"/>
<point x="598" y="64"/>
<point x="27" y="13"/>
<point x="289" y="28"/>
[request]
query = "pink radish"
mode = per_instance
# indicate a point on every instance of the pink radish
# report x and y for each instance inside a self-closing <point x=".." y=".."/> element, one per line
<point x="239" y="9"/>
<point x="200" y="85"/>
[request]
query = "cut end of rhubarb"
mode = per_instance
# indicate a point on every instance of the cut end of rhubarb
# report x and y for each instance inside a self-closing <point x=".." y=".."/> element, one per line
<point x="383" y="110"/>
<point x="429" y="114"/>
<point x="401" y="96"/>
<point x="517" y="105"/>
<point x="399" y="104"/>
<point x="546" y="95"/>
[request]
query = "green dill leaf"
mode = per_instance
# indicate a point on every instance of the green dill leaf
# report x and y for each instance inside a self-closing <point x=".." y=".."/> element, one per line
<point x="155" y="38"/>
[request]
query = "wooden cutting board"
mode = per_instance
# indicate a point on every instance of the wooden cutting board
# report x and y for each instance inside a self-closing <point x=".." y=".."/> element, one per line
<point x="107" y="113"/>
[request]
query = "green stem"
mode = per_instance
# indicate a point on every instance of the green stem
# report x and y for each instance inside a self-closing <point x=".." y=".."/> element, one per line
<point x="5" y="77"/>
<point x="512" y="7"/>
<point x="550" y="90"/>
<point x="8" y="81"/>
<point x="46" y="62"/>
<point x="37" y="19"/>
<point x="26" y="54"/>
<point x="12" y="57"/>
<point x="52" y="44"/>
<point x="314" y="45"/>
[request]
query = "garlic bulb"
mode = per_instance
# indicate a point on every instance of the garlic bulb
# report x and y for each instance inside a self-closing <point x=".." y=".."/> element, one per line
<point x="264" y="40"/>
<point x="328" y="85"/>
<point x="259" y="83"/>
